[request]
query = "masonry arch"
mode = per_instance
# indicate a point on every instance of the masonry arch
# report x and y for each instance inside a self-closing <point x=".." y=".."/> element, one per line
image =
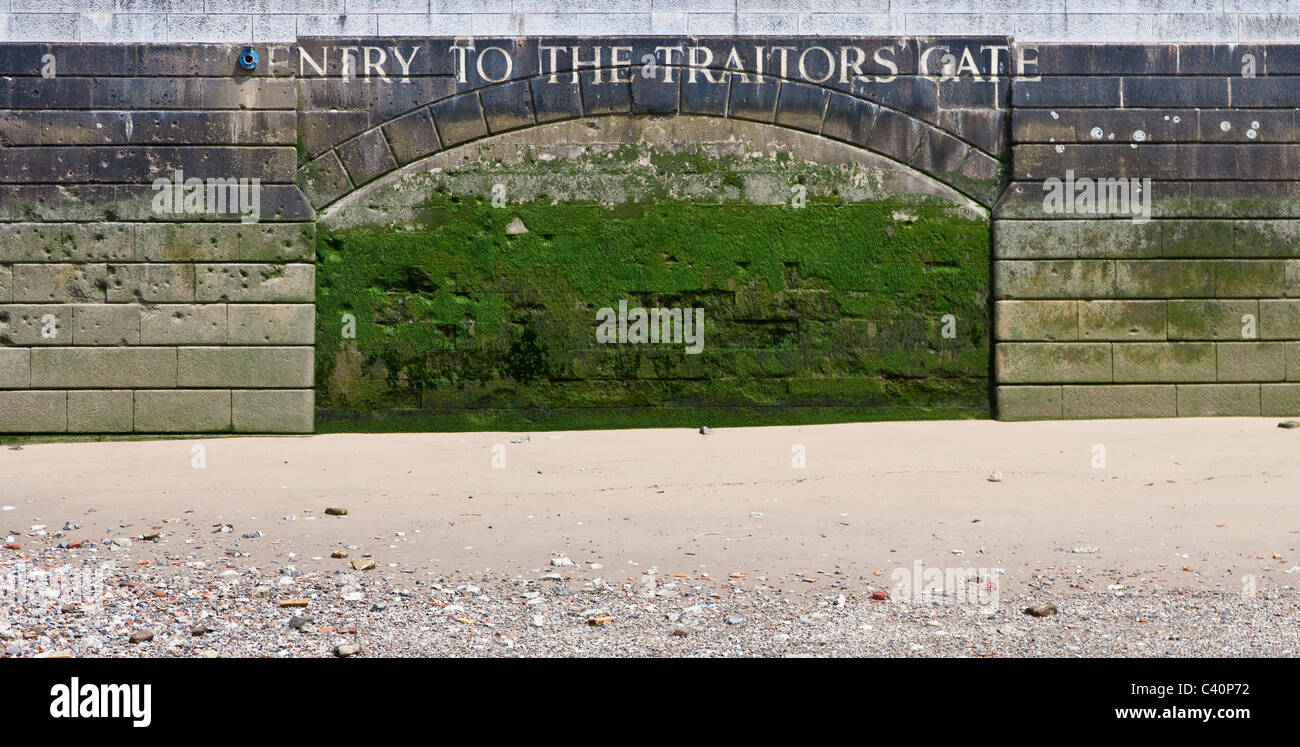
<point x="896" y="124"/>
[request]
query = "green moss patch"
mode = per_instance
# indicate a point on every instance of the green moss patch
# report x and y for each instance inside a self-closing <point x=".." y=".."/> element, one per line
<point x="827" y="313"/>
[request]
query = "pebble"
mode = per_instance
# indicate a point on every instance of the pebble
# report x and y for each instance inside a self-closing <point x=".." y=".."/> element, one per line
<point x="345" y="650"/>
<point x="1041" y="610"/>
<point x="363" y="564"/>
<point x="141" y="636"/>
<point x="336" y="511"/>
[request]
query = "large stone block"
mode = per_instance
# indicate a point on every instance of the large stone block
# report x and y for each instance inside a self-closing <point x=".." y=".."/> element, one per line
<point x="246" y="367"/>
<point x="366" y="157"/>
<point x="33" y="412"/>
<point x="15" y="368"/>
<point x="459" y="119"/>
<point x="106" y="324"/>
<point x="1279" y="319"/>
<point x="1118" y="239"/>
<point x="60" y="283"/>
<point x="256" y="283"/>
<point x="1052" y="362"/>
<point x="1249" y="278"/>
<point x="108" y="368"/>
<point x="182" y="411"/>
<point x="1054" y="279"/>
<point x="1119" y="401"/>
<point x="1205" y="400"/>
<point x="802" y="107"/>
<point x="1266" y="238"/>
<point x="1279" y="400"/>
<point x="1164" y="362"/>
<point x="101" y="411"/>
<point x="272" y="324"/>
<point x="150" y="283"/>
<point x="1212" y="320"/>
<point x="1037" y="320"/>
<point x="183" y="324"/>
<point x="412" y="137"/>
<point x="1251" y="361"/>
<point x="1036" y="239"/>
<point x="1152" y="278"/>
<point x="509" y="107"/>
<point x="1121" y="320"/>
<point x="36" y="324"/>
<point x="1196" y="238"/>
<point x="323" y="180"/>
<point x="273" y="410"/>
<point x="1029" y="402"/>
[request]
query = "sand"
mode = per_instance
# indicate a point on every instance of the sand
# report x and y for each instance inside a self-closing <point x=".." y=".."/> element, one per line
<point x="1203" y="504"/>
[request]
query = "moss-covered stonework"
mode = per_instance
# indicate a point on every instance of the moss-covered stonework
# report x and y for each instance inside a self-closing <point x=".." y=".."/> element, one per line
<point x="828" y="312"/>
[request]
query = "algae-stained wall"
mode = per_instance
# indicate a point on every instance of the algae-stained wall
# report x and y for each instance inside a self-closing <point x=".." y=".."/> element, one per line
<point x="379" y="160"/>
<point x="832" y="284"/>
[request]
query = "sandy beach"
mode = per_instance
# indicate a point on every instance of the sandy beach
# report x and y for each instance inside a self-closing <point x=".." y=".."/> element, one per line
<point x="1099" y="510"/>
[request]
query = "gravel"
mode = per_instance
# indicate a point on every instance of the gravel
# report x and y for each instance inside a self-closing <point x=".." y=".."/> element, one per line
<point x="180" y="606"/>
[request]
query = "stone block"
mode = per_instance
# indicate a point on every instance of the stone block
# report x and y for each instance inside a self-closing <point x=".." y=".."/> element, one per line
<point x="15" y="368"/>
<point x="1251" y="361"/>
<point x="246" y="367"/>
<point x="59" y="283"/>
<point x="1211" y="320"/>
<point x="1036" y="239"/>
<point x="1037" y="320"/>
<point x="1121" y="321"/>
<point x="273" y="410"/>
<point x="256" y="283"/>
<point x="459" y="119"/>
<point x="151" y="283"/>
<point x="272" y="324"/>
<point x="33" y="412"/>
<point x="1164" y="278"/>
<point x="1028" y="402"/>
<point x="507" y="107"/>
<point x="1052" y="362"/>
<point x="1206" y="400"/>
<point x="106" y="324"/>
<point x="183" y="324"/>
<point x="107" y="368"/>
<point x="366" y="157"/>
<point x="1054" y="279"/>
<point x="101" y="411"/>
<point x="1164" y="362"/>
<point x="182" y="411"/>
<point x="36" y="324"/>
<point x="1119" y="401"/>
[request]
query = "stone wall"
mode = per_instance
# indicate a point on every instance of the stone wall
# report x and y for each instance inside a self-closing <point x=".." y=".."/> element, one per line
<point x="234" y="21"/>
<point x="1193" y="312"/>
<point x="116" y="316"/>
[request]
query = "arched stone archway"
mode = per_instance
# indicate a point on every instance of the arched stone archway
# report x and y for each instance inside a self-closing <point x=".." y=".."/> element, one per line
<point x="908" y="108"/>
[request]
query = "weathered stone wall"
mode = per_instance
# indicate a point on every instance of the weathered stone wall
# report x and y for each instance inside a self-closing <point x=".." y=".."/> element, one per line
<point x="116" y="316"/>
<point x="1190" y="313"/>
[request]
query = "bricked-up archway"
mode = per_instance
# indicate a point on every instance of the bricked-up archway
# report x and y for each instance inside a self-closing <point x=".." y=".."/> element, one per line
<point x="371" y="106"/>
